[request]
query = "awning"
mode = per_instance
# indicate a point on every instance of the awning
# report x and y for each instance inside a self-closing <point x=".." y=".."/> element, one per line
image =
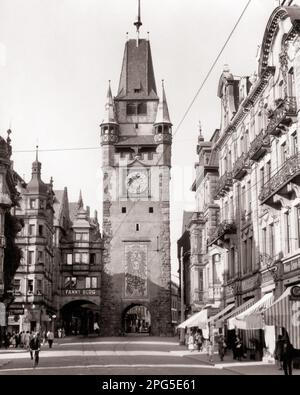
<point x="252" y="318"/>
<point x="235" y="312"/>
<point x="198" y="320"/>
<point x="214" y="318"/>
<point x="285" y="313"/>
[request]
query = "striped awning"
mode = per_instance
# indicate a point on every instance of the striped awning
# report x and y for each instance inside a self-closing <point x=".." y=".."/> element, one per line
<point x="285" y="313"/>
<point x="252" y="317"/>
<point x="235" y="312"/>
<point x="214" y="318"/>
<point x="198" y="320"/>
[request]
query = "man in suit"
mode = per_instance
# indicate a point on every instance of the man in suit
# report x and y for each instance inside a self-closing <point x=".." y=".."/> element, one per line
<point x="35" y="347"/>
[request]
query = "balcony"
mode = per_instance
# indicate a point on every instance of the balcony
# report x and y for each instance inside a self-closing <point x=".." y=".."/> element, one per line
<point x="282" y="116"/>
<point x="224" y="184"/>
<point x="278" y="184"/>
<point x="260" y="146"/>
<point x="225" y="229"/>
<point x="241" y="167"/>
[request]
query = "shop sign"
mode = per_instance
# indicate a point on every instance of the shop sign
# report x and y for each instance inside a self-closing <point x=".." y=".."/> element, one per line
<point x="80" y="292"/>
<point x="16" y="311"/>
<point x="2" y="314"/>
<point x="295" y="293"/>
<point x="13" y="319"/>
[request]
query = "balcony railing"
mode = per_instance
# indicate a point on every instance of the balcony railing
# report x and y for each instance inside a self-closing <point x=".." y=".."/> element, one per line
<point x="286" y="174"/>
<point x="224" y="184"/>
<point x="259" y="146"/>
<point x="242" y="165"/>
<point x="281" y="117"/>
<point x="227" y="227"/>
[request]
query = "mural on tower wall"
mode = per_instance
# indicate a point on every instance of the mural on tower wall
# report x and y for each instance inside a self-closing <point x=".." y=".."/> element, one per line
<point x="136" y="271"/>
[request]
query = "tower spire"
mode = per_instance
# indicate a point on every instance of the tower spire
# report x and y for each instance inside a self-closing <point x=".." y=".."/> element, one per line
<point x="37" y="153"/>
<point x="138" y="22"/>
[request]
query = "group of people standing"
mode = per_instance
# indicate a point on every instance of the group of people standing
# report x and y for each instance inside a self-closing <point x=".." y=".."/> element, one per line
<point x="196" y="341"/>
<point x="17" y="339"/>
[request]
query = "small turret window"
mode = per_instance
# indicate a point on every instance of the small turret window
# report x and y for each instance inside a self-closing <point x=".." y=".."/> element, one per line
<point x="131" y="109"/>
<point x="166" y="129"/>
<point x="160" y="129"/>
<point x="142" y="109"/>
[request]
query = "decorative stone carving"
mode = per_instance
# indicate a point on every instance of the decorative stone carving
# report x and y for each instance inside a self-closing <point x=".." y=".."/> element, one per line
<point x="135" y="271"/>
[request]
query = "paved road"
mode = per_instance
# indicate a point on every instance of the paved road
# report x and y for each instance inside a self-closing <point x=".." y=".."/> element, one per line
<point x="115" y="356"/>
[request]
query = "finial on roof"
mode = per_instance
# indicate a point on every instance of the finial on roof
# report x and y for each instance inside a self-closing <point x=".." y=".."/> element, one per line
<point x="148" y="36"/>
<point x="9" y="132"/>
<point x="127" y="36"/>
<point x="200" y="138"/>
<point x="138" y="22"/>
<point x="37" y="153"/>
<point x="226" y="68"/>
<point x="80" y="200"/>
<point x="51" y="182"/>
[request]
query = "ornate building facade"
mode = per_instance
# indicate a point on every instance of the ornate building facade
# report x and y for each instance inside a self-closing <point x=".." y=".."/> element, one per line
<point x="247" y="178"/>
<point x="58" y="281"/>
<point x="33" y="283"/>
<point x="136" y="161"/>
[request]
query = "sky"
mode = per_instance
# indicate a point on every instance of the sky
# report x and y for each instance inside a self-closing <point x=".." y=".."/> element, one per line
<point x="56" y="57"/>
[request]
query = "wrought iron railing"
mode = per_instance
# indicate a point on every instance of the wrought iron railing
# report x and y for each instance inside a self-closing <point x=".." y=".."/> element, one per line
<point x="259" y="145"/>
<point x="281" y="116"/>
<point x="289" y="170"/>
<point x="224" y="184"/>
<point x="241" y="166"/>
<point x="225" y="227"/>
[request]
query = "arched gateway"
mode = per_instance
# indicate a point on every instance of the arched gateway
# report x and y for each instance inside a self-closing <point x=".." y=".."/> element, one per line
<point x="79" y="317"/>
<point x="136" y="320"/>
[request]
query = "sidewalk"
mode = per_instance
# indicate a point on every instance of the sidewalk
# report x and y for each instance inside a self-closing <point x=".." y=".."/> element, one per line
<point x="244" y="367"/>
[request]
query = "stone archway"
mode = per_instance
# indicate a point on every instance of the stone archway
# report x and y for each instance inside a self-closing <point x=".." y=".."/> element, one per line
<point x="136" y="320"/>
<point x="79" y="317"/>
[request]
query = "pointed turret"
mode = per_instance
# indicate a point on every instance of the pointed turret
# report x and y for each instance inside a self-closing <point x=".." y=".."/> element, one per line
<point x="163" y="125"/>
<point x="109" y="125"/>
<point x="80" y="200"/>
<point x="36" y="186"/>
<point x="162" y="116"/>
<point x="110" y="112"/>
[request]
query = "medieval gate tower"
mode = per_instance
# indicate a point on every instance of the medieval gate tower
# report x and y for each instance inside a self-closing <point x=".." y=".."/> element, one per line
<point x="136" y="139"/>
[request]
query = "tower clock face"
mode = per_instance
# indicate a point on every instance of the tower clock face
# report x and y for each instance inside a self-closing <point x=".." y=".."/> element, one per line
<point x="137" y="182"/>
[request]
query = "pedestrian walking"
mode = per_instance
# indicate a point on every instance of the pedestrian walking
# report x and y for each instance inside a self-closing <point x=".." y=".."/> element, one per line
<point x="221" y="347"/>
<point x="59" y="333"/>
<point x="191" y="342"/>
<point x="278" y="354"/>
<point x="23" y="339"/>
<point x="239" y="348"/>
<point x="199" y="341"/>
<point x="34" y="348"/>
<point x="287" y="356"/>
<point x="27" y="340"/>
<point x="50" y="338"/>
<point x="210" y="350"/>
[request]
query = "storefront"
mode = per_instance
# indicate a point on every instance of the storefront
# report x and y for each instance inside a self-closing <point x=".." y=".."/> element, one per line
<point x="284" y="314"/>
